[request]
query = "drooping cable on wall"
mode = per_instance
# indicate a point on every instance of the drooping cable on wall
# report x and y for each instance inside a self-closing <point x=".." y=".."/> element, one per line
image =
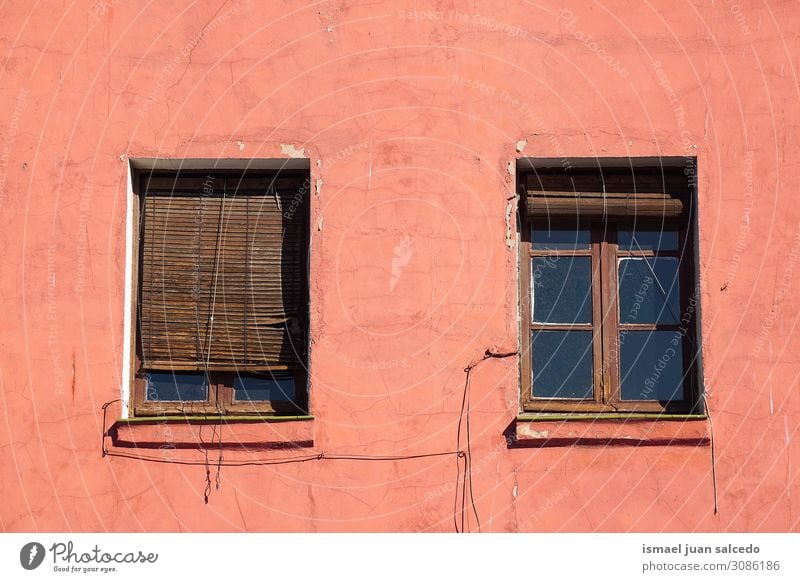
<point x="105" y="452"/>
<point x="705" y="401"/>
<point x="713" y="454"/>
<point x="285" y="461"/>
<point x="464" y="417"/>
<point x="209" y="338"/>
<point x="216" y="433"/>
<point x="105" y="424"/>
<point x="459" y="453"/>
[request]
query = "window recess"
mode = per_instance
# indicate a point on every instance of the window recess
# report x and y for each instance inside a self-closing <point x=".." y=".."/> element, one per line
<point x="222" y="294"/>
<point x="609" y="308"/>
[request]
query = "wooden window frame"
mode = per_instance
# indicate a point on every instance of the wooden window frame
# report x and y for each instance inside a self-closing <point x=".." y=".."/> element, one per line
<point x="606" y="326"/>
<point x="221" y="399"/>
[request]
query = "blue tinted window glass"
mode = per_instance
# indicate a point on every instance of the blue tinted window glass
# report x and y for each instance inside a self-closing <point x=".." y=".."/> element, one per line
<point x="561" y="289"/>
<point x="562" y="364"/>
<point x="651" y="365"/>
<point x="551" y="238"/>
<point x="649" y="290"/>
<point x="176" y="387"/>
<point x="648" y="240"/>
<point x="267" y="387"/>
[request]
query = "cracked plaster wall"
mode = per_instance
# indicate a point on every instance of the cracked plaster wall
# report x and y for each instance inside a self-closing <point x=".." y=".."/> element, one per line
<point x="411" y="123"/>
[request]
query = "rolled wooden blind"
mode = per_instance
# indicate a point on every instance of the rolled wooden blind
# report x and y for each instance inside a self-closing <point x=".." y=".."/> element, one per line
<point x="223" y="274"/>
<point x="609" y="193"/>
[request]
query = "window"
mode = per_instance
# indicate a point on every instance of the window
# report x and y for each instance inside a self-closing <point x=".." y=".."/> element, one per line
<point x="222" y="293"/>
<point x="608" y="304"/>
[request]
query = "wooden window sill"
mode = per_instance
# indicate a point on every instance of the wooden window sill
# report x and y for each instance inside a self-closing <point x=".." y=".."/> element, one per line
<point x="554" y="430"/>
<point x="213" y="432"/>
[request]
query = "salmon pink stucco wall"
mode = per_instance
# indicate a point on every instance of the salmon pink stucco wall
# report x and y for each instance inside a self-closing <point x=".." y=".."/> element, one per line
<point x="411" y="116"/>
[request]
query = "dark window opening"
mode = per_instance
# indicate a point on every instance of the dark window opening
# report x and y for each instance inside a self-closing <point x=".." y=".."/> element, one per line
<point x="608" y="288"/>
<point x="222" y="293"/>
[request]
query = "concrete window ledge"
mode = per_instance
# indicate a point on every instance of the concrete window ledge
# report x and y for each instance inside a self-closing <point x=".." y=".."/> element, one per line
<point x="244" y="433"/>
<point x="665" y="430"/>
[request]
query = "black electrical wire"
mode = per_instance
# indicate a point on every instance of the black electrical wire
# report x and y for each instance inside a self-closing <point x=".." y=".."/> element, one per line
<point x="464" y="417"/>
<point x="105" y="452"/>
<point x="287" y="460"/>
<point x="209" y="338"/>
<point x="463" y="420"/>
<point x="713" y="455"/>
<point x="103" y="436"/>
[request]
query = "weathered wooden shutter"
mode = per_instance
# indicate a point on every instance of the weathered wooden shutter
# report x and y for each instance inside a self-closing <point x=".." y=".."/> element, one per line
<point x="223" y="273"/>
<point x="616" y="192"/>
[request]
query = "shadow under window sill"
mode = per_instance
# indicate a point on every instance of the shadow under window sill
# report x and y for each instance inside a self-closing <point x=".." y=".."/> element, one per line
<point x="213" y="432"/>
<point x="558" y="430"/>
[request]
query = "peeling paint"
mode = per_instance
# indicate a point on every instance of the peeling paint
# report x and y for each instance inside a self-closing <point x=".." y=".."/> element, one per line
<point x="526" y="430"/>
<point x="509" y="224"/>
<point x="387" y="366"/>
<point x="291" y="151"/>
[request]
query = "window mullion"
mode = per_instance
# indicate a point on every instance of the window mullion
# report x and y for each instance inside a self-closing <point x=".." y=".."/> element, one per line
<point x="611" y="345"/>
<point x="597" y="312"/>
<point x="224" y="391"/>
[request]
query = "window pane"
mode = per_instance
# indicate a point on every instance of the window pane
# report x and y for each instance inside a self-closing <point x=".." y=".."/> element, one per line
<point x="569" y="238"/>
<point x="176" y="387"/>
<point x="562" y="364"/>
<point x="649" y="290"/>
<point x="648" y="240"/>
<point x="561" y="289"/>
<point x="651" y="365"/>
<point x="268" y="387"/>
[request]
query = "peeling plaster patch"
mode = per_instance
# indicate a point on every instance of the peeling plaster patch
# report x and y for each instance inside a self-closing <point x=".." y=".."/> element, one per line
<point x="319" y="223"/>
<point x="515" y="491"/>
<point x="509" y="229"/>
<point x="510" y="169"/>
<point x="403" y="252"/>
<point x="513" y="499"/>
<point x="241" y="145"/>
<point x="293" y="152"/>
<point x="527" y="431"/>
<point x="521" y="145"/>
<point x="319" y="186"/>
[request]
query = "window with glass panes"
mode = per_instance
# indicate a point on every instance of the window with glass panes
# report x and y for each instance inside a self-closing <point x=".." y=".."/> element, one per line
<point x="608" y="303"/>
